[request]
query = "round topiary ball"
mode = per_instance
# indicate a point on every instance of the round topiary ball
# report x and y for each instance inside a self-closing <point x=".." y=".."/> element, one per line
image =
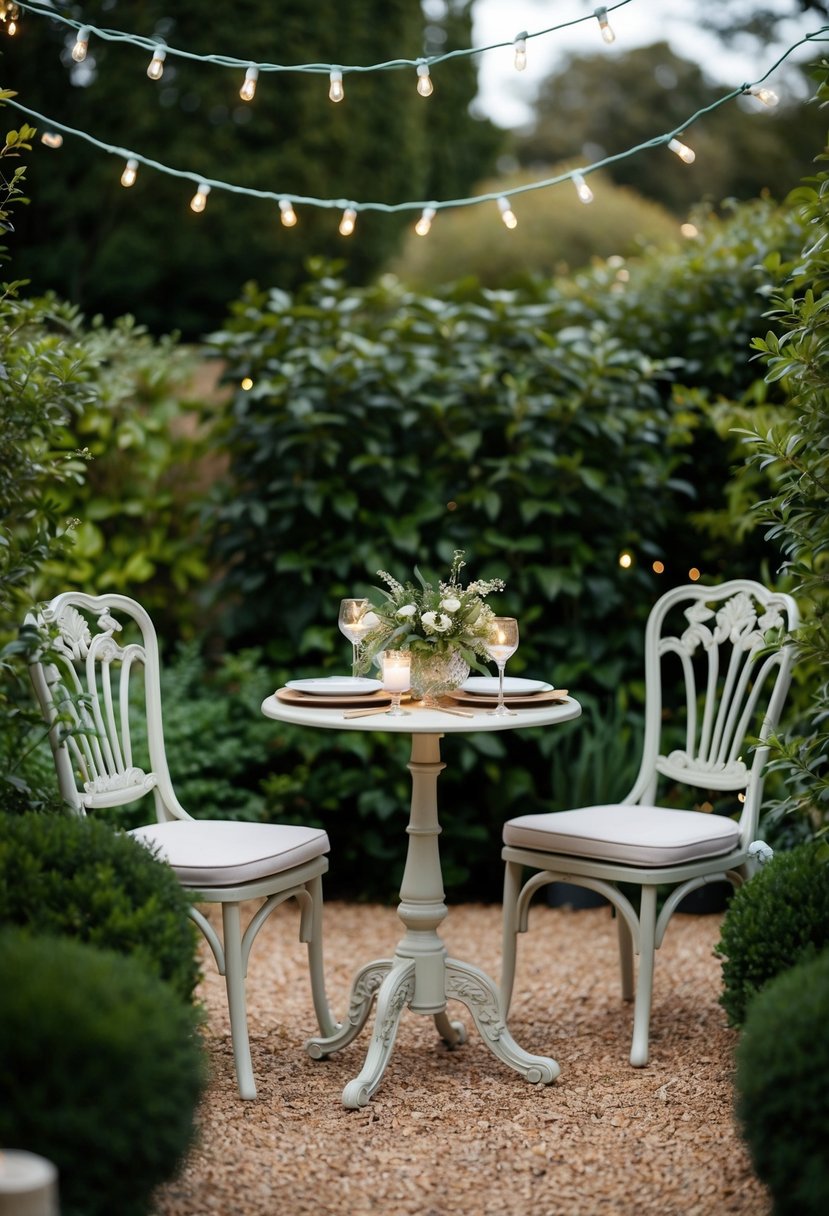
<point x="101" y="1071"/>
<point x="782" y="1080"/>
<point x="777" y="919"/>
<point x="79" y="878"/>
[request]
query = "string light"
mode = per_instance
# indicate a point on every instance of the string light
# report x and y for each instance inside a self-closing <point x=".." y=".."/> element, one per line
<point x="199" y="200"/>
<point x="424" y="81"/>
<point x="604" y="25"/>
<point x="767" y="96"/>
<point x="246" y="384"/>
<point x="625" y="560"/>
<point x="46" y="122"/>
<point x="658" y="567"/>
<point x="248" y="89"/>
<point x="130" y="172"/>
<point x="335" y="85"/>
<point x="156" y="69"/>
<point x="520" y="44"/>
<point x="287" y="213"/>
<point x="11" y="16"/>
<point x="686" y="154"/>
<point x="81" y="44"/>
<point x="52" y="139"/>
<point x="693" y="574"/>
<point x="582" y="189"/>
<point x="507" y="214"/>
<point x="425" y="222"/>
<point x="348" y="221"/>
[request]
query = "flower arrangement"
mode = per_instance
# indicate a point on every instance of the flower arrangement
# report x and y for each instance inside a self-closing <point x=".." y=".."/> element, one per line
<point x="430" y="620"/>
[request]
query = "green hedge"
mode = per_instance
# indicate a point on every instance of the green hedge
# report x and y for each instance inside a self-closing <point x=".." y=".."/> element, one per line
<point x="78" y="878"/>
<point x="101" y="1071"/>
<point x="782" y="1072"/>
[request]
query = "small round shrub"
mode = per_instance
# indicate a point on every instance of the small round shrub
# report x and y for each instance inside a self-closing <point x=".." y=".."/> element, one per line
<point x="101" y="1071"/>
<point x="79" y="878"/>
<point x="777" y="919"/>
<point x="782" y="1076"/>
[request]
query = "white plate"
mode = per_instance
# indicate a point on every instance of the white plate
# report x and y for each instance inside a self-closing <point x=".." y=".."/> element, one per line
<point x="514" y="686"/>
<point x="336" y="686"/>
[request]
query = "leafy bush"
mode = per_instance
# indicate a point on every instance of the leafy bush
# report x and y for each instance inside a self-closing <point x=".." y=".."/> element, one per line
<point x="782" y="1066"/>
<point x="77" y="878"/>
<point x="779" y="918"/>
<point x="101" y="1070"/>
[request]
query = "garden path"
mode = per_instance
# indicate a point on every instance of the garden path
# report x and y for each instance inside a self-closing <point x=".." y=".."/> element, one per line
<point x="457" y="1133"/>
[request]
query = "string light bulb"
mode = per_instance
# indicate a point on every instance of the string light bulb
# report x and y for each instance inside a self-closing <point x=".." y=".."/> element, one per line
<point x="686" y="154"/>
<point x="130" y="172"/>
<point x="248" y="89"/>
<point x="425" y="222"/>
<point x="582" y="189"/>
<point x="336" y="92"/>
<point x="767" y="96"/>
<point x="604" y="25"/>
<point x="81" y="44"/>
<point x="348" y="221"/>
<point x="507" y="214"/>
<point x="52" y="139"/>
<point x="156" y="69"/>
<point x="520" y="44"/>
<point x="424" y="81"/>
<point x="199" y="200"/>
<point x="11" y="16"/>
<point x="287" y="213"/>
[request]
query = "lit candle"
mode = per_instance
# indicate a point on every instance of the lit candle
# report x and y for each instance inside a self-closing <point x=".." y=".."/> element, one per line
<point x="28" y="1185"/>
<point x="397" y="670"/>
<point x="499" y="647"/>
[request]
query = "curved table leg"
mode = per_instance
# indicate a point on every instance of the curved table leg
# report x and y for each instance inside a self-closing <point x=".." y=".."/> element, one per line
<point x="452" y="1033"/>
<point x="364" y="989"/>
<point x="395" y="992"/>
<point x="478" y="992"/>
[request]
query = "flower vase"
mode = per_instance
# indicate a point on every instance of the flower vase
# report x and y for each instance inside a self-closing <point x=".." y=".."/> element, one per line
<point x="435" y="674"/>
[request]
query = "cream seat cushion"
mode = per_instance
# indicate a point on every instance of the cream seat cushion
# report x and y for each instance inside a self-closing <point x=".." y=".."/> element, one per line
<point x="637" y="835"/>
<point x="224" y="854"/>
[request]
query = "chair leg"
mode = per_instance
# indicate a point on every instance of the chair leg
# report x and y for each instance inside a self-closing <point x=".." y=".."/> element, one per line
<point x="512" y="888"/>
<point x="328" y="1026"/>
<point x="625" y="957"/>
<point x="236" y="1002"/>
<point x="644" y="983"/>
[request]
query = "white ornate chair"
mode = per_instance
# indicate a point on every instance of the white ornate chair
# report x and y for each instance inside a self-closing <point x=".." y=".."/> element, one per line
<point x="733" y="692"/>
<point x="86" y="685"/>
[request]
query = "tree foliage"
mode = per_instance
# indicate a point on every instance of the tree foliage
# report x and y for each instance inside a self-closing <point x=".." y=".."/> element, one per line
<point x="600" y="105"/>
<point x="142" y="250"/>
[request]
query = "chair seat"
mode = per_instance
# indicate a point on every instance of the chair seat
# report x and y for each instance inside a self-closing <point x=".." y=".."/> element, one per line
<point x="207" y="853"/>
<point x="635" y="835"/>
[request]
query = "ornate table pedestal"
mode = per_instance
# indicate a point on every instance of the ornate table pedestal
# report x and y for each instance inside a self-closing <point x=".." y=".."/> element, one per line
<point x="421" y="976"/>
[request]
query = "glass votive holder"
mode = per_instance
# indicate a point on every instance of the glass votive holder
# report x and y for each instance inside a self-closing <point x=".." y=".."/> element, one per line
<point x="397" y="671"/>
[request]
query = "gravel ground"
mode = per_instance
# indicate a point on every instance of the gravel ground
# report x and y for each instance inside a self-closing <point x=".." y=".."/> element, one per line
<point x="458" y="1132"/>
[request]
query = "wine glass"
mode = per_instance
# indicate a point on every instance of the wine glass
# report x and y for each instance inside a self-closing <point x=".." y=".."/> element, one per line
<point x="502" y="642"/>
<point x="397" y="668"/>
<point x="352" y="625"/>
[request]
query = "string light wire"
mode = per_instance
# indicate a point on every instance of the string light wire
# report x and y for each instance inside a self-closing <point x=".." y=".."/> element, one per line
<point x="229" y="61"/>
<point x="820" y="35"/>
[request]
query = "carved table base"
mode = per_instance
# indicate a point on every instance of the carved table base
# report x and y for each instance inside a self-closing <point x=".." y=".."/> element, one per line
<point x="421" y="976"/>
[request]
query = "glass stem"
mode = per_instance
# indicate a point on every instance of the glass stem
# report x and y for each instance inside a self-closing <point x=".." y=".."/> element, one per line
<point x="355" y="657"/>
<point x="501" y="667"/>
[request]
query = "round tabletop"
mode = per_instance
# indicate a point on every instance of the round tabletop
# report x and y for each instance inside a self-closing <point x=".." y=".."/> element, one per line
<point x="421" y="721"/>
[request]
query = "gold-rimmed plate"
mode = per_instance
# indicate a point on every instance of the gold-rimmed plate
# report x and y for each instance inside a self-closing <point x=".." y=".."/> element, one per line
<point x="532" y="701"/>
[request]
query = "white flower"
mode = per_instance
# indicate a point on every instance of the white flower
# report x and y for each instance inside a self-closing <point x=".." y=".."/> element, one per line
<point x="369" y="620"/>
<point x="406" y="611"/>
<point x="451" y="604"/>
<point x="436" y="621"/>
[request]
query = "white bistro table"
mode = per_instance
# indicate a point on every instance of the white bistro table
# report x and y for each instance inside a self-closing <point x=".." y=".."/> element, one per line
<point x="422" y="976"/>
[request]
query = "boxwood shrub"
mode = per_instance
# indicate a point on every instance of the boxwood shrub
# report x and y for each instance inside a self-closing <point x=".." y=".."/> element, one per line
<point x="776" y="920"/>
<point x="101" y="1071"/>
<point x="782" y="1073"/>
<point x="79" y="878"/>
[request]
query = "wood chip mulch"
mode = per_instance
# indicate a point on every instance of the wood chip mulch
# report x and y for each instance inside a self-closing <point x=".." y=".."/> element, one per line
<point x="458" y="1133"/>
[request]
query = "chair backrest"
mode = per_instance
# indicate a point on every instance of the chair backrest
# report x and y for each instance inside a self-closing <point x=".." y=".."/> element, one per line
<point x="727" y="645"/>
<point x="101" y="668"/>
